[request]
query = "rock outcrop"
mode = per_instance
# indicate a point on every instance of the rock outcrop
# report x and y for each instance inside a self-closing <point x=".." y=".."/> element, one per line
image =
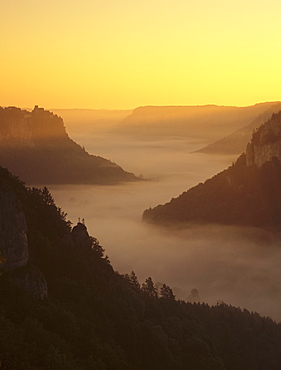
<point x="14" y="248"/>
<point x="35" y="146"/>
<point x="247" y="193"/>
<point x="13" y="238"/>
<point x="265" y="143"/>
<point x="80" y="236"/>
<point x="32" y="281"/>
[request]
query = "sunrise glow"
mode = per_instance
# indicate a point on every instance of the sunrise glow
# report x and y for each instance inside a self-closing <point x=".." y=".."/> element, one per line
<point x="122" y="54"/>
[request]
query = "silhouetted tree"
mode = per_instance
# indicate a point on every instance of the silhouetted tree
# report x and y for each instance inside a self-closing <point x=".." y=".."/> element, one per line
<point x="47" y="196"/>
<point x="96" y="247"/>
<point x="166" y="292"/>
<point x="149" y="288"/>
<point x="134" y="280"/>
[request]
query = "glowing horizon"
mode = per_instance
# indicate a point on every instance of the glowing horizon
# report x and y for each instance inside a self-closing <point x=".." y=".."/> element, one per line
<point x="121" y="54"/>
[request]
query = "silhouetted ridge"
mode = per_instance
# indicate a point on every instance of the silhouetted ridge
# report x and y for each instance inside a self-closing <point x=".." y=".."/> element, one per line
<point x="66" y="308"/>
<point x="35" y="146"/>
<point x="207" y="122"/>
<point x="236" y="142"/>
<point x="247" y="193"/>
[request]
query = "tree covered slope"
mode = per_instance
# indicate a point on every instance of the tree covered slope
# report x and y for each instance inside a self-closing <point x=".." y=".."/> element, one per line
<point x="91" y="317"/>
<point x="247" y="193"/>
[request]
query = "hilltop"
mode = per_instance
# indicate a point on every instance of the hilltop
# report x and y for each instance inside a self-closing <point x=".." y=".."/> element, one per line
<point x="247" y="193"/>
<point x="36" y="147"/>
<point x="202" y="122"/>
<point x="236" y="142"/>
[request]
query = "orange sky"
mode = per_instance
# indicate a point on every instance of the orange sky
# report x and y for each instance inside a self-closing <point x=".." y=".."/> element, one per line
<point x="124" y="53"/>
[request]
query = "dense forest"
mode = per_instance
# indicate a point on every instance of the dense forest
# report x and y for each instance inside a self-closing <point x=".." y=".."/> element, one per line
<point x="94" y="318"/>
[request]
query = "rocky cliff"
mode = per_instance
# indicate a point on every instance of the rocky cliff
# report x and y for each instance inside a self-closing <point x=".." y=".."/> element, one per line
<point x="35" y="146"/>
<point x="265" y="143"/>
<point x="14" y="250"/>
<point x="80" y="236"/>
<point x="247" y="193"/>
<point x="13" y="238"/>
<point x="34" y="233"/>
<point x="32" y="281"/>
<point x="29" y="128"/>
<point x="95" y="318"/>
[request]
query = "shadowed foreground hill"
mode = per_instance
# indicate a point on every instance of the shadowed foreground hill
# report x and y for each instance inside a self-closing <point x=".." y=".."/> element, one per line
<point x="64" y="307"/>
<point x="247" y="193"/>
<point x="35" y="146"/>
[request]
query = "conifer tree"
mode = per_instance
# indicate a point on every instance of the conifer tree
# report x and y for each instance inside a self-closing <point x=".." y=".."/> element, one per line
<point x="166" y="292"/>
<point x="149" y="288"/>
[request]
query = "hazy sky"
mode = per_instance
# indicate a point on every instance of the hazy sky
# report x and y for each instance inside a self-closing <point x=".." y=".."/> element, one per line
<point x="126" y="53"/>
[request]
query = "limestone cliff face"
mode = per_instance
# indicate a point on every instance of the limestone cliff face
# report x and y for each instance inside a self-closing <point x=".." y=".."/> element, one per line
<point x="36" y="147"/>
<point x="16" y="129"/>
<point x="247" y="193"/>
<point x="32" y="281"/>
<point x="13" y="238"/>
<point x="28" y="129"/>
<point x="14" y="251"/>
<point x="265" y="143"/>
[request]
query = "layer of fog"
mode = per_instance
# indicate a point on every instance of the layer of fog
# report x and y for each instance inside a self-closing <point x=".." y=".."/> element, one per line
<point x="236" y="266"/>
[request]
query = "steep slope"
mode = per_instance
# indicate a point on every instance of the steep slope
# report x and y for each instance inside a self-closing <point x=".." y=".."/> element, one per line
<point x="94" y="318"/>
<point x="236" y="142"/>
<point x="266" y="143"/>
<point x="247" y="193"/>
<point x="208" y="122"/>
<point x="14" y="246"/>
<point x="13" y="238"/>
<point x="35" y="146"/>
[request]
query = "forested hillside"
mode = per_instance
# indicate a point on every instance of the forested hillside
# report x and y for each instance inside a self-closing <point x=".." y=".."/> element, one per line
<point x="91" y="317"/>
<point x="247" y="193"/>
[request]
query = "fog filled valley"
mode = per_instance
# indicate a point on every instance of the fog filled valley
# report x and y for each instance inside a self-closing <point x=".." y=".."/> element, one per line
<point x="235" y="265"/>
<point x="171" y="258"/>
<point x="140" y="185"/>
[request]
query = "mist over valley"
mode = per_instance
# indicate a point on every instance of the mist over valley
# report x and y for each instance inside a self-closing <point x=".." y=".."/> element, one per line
<point x="140" y="185"/>
<point x="238" y="266"/>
